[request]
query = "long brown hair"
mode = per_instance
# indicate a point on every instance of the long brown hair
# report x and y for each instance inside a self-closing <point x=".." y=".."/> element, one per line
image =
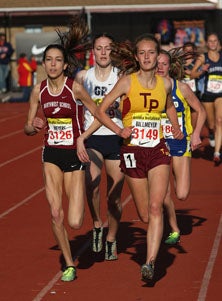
<point x="123" y="53"/>
<point x="178" y="59"/>
<point x="75" y="42"/>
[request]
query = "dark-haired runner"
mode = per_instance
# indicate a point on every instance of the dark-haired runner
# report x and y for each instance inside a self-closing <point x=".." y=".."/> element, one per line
<point x="62" y="100"/>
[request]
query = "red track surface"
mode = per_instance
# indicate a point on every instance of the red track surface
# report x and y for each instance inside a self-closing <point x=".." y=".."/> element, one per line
<point x="30" y="262"/>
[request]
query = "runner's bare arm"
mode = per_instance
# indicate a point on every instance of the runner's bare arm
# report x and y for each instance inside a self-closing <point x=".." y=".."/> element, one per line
<point x="34" y="124"/>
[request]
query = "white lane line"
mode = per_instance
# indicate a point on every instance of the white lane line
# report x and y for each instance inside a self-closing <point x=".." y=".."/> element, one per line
<point x="11" y="134"/>
<point x="45" y="290"/>
<point x="51" y="283"/>
<point x="211" y="262"/>
<point x="22" y="202"/>
<point x="20" y="156"/>
<point x="15" y="116"/>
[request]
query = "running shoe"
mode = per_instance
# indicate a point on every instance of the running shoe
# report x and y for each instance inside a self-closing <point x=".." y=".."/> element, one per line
<point x="111" y="251"/>
<point x="173" y="238"/>
<point x="211" y="140"/>
<point x="97" y="244"/>
<point x="147" y="271"/>
<point x="69" y="274"/>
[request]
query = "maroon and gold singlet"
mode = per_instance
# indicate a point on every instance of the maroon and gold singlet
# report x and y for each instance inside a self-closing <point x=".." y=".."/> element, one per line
<point x="64" y="116"/>
<point x="142" y="109"/>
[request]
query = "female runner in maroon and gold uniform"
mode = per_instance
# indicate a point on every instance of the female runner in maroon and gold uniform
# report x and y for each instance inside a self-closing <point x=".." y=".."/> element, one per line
<point x="144" y="156"/>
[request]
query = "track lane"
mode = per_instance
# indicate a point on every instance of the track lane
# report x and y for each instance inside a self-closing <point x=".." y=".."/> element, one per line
<point x="30" y="259"/>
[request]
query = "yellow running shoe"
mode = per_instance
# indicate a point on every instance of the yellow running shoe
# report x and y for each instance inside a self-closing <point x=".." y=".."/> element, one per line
<point x="69" y="274"/>
<point x="173" y="238"/>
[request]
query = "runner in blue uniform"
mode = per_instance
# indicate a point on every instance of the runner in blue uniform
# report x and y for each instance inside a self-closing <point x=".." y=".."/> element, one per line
<point x="180" y="150"/>
<point x="211" y="64"/>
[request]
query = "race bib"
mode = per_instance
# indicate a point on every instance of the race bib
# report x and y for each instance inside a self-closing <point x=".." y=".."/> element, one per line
<point x="146" y="129"/>
<point x="167" y="126"/>
<point x="60" y="131"/>
<point x="214" y="84"/>
<point x="130" y="160"/>
<point x="191" y="83"/>
<point x="113" y="110"/>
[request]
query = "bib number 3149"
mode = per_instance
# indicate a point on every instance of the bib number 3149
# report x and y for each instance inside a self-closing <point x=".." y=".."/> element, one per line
<point x="145" y="132"/>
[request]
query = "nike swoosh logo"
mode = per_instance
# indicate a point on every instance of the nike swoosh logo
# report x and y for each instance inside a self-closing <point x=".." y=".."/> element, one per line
<point x="37" y="51"/>
<point x="142" y="143"/>
<point x="72" y="166"/>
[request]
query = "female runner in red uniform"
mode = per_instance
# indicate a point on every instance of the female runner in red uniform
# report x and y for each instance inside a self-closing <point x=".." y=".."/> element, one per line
<point x="62" y="100"/>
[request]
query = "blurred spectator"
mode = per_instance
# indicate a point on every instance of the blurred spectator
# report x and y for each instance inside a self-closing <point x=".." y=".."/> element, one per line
<point x="196" y="84"/>
<point x="6" y="52"/>
<point x="90" y="60"/>
<point x="210" y="64"/>
<point x="26" y="69"/>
